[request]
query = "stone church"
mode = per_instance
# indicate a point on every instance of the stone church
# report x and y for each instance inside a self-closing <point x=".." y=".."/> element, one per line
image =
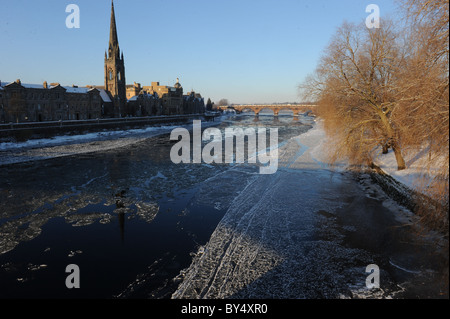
<point x="115" y="83"/>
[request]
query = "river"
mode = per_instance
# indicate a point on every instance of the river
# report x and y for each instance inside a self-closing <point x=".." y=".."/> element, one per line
<point x="139" y="226"/>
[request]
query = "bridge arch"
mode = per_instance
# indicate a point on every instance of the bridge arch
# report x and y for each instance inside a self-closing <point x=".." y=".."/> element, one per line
<point x="286" y="111"/>
<point x="267" y="111"/>
<point x="248" y="110"/>
<point x="296" y="109"/>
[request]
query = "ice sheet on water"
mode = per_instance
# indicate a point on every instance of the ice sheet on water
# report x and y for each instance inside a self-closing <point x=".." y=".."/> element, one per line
<point x="59" y="146"/>
<point x="74" y="253"/>
<point x="84" y="138"/>
<point x="19" y="230"/>
<point x="219" y="190"/>
<point x="84" y="219"/>
<point x="285" y="236"/>
<point x="153" y="282"/>
<point x="254" y="251"/>
<point x="86" y="193"/>
<point x="47" y="152"/>
<point x="147" y="211"/>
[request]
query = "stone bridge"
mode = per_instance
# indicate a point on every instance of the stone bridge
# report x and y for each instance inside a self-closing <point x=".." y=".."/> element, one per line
<point x="276" y="108"/>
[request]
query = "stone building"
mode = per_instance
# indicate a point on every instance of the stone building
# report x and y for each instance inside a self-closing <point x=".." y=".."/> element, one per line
<point x="141" y="102"/>
<point x="144" y="104"/>
<point x="193" y="103"/>
<point x="133" y="90"/>
<point x="36" y="103"/>
<point x="171" y="98"/>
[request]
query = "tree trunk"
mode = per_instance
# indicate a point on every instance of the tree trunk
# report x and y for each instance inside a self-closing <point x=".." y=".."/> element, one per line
<point x="399" y="157"/>
<point x="393" y="142"/>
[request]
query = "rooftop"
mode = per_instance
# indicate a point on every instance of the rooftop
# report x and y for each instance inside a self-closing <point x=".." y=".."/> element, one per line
<point x="69" y="89"/>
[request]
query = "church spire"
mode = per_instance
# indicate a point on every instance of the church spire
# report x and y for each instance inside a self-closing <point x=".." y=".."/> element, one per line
<point x="115" y="82"/>
<point x="113" y="39"/>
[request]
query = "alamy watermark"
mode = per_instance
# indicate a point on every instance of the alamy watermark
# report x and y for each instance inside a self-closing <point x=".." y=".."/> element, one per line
<point x="73" y="19"/>
<point x="373" y="19"/>
<point x="373" y="280"/>
<point x="73" y="280"/>
<point x="212" y="152"/>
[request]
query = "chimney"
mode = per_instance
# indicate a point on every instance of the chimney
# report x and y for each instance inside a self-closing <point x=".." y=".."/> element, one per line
<point x="45" y="85"/>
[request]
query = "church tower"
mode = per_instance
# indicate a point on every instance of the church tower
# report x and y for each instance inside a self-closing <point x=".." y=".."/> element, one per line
<point x="115" y="69"/>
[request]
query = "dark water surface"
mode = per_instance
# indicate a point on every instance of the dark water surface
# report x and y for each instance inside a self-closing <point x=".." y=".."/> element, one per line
<point x="128" y="217"/>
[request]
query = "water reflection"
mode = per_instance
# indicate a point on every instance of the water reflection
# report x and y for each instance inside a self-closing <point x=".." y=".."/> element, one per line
<point x="121" y="217"/>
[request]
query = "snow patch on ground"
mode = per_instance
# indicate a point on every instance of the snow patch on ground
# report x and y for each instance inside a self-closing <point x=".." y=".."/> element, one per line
<point x="419" y="171"/>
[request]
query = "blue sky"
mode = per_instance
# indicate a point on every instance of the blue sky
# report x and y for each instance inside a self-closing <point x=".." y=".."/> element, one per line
<point x="248" y="51"/>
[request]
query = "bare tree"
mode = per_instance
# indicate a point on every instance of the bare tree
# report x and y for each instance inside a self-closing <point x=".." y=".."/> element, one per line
<point x="425" y="100"/>
<point x="355" y="85"/>
<point x="223" y="102"/>
<point x="425" y="77"/>
<point x="390" y="87"/>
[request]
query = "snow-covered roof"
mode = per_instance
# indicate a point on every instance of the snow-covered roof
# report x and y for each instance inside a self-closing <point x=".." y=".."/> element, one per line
<point x="145" y="95"/>
<point x="71" y="89"/>
<point x="32" y="86"/>
<point x="25" y="85"/>
<point x="104" y="95"/>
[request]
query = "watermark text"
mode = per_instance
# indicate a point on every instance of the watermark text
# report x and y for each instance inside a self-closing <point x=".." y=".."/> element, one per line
<point x="257" y="148"/>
